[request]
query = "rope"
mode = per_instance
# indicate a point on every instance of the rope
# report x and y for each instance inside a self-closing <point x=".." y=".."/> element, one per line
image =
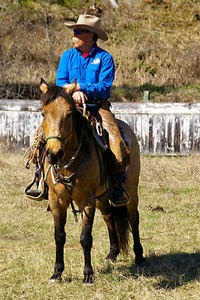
<point x="75" y="212"/>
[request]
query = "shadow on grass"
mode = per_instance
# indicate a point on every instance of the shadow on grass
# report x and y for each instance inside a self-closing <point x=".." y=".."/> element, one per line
<point x="173" y="270"/>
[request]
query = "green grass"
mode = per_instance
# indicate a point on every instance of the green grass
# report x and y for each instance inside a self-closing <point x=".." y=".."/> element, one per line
<point x="169" y="225"/>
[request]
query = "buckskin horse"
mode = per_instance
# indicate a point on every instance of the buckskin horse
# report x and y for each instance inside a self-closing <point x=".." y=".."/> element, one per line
<point x="74" y="173"/>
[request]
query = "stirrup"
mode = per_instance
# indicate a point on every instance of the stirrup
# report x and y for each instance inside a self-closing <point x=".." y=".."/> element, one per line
<point x="40" y="196"/>
<point x="120" y="202"/>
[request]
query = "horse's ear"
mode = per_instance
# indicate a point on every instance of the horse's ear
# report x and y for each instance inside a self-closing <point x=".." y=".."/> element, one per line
<point x="70" y="88"/>
<point x="43" y="86"/>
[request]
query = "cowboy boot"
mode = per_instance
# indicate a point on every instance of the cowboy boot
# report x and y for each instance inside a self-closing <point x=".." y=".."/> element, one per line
<point x="118" y="196"/>
<point x="37" y="194"/>
<point x="36" y="156"/>
<point x="40" y="192"/>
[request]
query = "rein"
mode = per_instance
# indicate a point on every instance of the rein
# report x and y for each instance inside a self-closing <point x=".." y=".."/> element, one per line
<point x="76" y="152"/>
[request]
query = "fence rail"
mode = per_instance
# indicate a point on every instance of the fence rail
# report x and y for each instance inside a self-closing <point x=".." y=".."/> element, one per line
<point x="161" y="128"/>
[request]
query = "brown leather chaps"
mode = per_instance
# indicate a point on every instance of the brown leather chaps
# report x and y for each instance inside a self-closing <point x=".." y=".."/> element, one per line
<point x="116" y="142"/>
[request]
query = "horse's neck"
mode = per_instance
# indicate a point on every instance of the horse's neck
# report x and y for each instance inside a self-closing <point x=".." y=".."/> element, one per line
<point x="71" y="146"/>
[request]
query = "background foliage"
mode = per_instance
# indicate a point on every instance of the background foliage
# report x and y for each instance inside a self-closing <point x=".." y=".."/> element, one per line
<point x="155" y="44"/>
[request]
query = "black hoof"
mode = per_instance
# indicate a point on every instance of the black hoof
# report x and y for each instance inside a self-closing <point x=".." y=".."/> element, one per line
<point x="88" y="279"/>
<point x="143" y="264"/>
<point x="56" y="278"/>
<point x="111" y="258"/>
<point x="140" y="260"/>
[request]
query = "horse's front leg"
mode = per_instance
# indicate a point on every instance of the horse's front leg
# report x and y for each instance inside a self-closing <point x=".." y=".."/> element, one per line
<point x="86" y="240"/>
<point x="59" y="215"/>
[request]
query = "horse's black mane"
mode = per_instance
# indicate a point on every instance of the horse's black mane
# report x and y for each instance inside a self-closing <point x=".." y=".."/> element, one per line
<point x="54" y="92"/>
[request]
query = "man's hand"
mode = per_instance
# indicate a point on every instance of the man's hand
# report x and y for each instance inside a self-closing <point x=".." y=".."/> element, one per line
<point x="79" y="97"/>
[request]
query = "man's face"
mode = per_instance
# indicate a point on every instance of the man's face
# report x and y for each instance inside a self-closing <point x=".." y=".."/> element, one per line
<point x="82" y="38"/>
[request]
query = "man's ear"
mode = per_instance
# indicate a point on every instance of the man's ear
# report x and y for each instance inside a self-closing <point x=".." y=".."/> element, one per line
<point x="43" y="86"/>
<point x="70" y="88"/>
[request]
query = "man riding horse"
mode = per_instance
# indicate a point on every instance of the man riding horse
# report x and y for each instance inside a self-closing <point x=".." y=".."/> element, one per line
<point x="93" y="69"/>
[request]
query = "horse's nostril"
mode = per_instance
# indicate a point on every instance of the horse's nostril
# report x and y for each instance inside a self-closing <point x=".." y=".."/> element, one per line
<point x="60" y="154"/>
<point x="55" y="158"/>
<point x="52" y="158"/>
<point x="48" y="154"/>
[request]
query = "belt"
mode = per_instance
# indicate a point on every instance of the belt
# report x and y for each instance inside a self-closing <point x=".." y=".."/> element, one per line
<point x="91" y="101"/>
<point x="103" y="103"/>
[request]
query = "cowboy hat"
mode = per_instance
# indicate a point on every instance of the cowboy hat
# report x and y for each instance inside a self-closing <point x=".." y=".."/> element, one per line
<point x="90" y="23"/>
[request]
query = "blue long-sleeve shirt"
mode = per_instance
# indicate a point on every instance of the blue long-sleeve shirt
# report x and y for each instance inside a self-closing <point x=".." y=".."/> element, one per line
<point x="95" y="73"/>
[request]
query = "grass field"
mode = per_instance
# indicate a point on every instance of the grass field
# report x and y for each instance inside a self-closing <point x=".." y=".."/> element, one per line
<point x="169" y="226"/>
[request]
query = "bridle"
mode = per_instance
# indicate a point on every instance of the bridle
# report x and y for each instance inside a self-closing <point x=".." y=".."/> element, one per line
<point x="67" y="181"/>
<point x="56" y="173"/>
<point x="54" y="137"/>
<point x="57" y="137"/>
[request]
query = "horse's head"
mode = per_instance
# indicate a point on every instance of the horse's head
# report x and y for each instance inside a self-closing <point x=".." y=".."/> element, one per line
<point x="57" y="108"/>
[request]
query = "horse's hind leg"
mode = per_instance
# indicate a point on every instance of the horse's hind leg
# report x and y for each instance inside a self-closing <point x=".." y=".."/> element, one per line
<point x="86" y="241"/>
<point x="134" y="223"/>
<point x="114" y="245"/>
<point x="109" y="219"/>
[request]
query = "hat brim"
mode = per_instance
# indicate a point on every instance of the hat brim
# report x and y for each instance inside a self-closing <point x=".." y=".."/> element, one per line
<point x="101" y="34"/>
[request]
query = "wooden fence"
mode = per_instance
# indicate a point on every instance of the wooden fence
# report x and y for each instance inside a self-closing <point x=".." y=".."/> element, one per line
<point x="161" y="128"/>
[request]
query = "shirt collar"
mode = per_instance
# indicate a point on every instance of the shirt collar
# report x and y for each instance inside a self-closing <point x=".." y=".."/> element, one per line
<point x="92" y="51"/>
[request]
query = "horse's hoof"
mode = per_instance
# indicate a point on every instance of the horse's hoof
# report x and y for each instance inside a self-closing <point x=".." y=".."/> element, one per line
<point x="143" y="264"/>
<point x="109" y="262"/>
<point x="108" y="265"/>
<point x="110" y="259"/>
<point x="88" y="279"/>
<point x="140" y="260"/>
<point x="55" y="278"/>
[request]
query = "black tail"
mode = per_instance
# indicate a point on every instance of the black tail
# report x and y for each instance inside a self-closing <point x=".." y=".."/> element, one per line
<point x="122" y="227"/>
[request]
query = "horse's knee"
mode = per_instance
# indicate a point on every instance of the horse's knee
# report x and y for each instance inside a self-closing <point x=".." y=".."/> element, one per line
<point x="86" y="241"/>
<point x="60" y="236"/>
<point x="59" y="230"/>
<point x="133" y="212"/>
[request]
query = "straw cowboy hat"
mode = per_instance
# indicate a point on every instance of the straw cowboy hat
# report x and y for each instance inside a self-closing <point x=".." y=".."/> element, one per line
<point x="90" y="23"/>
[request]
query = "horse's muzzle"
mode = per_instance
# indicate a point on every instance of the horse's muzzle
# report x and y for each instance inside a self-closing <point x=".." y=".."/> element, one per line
<point x="55" y="158"/>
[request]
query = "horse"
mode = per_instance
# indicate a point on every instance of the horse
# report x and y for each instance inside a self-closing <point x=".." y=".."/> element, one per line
<point x="74" y="173"/>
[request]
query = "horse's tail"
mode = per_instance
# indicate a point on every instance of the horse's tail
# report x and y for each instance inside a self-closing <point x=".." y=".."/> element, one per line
<point x="122" y="227"/>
